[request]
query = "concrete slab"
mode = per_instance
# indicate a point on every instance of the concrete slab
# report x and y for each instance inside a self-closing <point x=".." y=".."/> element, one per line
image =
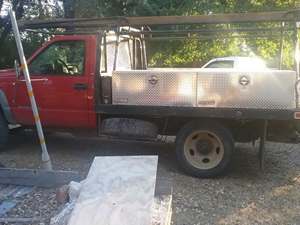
<point x="118" y="190"/>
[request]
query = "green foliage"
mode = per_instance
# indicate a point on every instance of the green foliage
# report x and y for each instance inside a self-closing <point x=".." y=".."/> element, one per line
<point x="193" y="53"/>
<point x="170" y="53"/>
<point x="25" y="9"/>
<point x="188" y="52"/>
<point x="197" y="52"/>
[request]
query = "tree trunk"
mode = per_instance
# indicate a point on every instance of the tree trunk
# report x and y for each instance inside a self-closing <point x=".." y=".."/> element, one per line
<point x="1" y="4"/>
<point x="69" y="8"/>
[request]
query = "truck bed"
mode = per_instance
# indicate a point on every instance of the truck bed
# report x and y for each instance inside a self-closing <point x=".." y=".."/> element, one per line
<point x="220" y="88"/>
<point x="218" y="93"/>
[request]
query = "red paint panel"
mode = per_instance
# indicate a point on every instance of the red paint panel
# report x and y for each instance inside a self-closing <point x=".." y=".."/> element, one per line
<point x="60" y="104"/>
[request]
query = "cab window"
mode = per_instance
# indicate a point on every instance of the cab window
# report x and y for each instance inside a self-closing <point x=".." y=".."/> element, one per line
<point x="60" y="58"/>
<point x="108" y="55"/>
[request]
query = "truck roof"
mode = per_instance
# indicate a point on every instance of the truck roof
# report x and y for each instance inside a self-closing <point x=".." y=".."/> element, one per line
<point x="236" y="58"/>
<point x="240" y="61"/>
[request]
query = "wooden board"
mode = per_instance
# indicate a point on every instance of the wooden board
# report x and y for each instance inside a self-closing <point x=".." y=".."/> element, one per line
<point x="40" y="178"/>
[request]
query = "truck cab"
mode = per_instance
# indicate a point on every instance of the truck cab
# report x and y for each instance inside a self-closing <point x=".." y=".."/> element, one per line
<point x="63" y="74"/>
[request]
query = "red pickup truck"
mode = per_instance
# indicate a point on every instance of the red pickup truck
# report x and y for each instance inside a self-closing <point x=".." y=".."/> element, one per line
<point x="100" y="83"/>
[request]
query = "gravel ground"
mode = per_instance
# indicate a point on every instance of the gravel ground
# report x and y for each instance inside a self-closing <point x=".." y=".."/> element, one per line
<point x="244" y="196"/>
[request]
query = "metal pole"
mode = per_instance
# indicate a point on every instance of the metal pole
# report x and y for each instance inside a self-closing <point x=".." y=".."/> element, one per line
<point x="116" y="49"/>
<point x="143" y="43"/>
<point x="281" y="45"/>
<point x="297" y="52"/>
<point x="46" y="162"/>
<point x="297" y="55"/>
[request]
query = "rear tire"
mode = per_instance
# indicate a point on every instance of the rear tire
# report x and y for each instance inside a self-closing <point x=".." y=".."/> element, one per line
<point x="204" y="149"/>
<point x="3" y="131"/>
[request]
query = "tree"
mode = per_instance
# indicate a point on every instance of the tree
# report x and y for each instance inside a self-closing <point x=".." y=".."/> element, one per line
<point x="18" y="7"/>
<point x="195" y="52"/>
<point x="69" y="8"/>
<point x="24" y="9"/>
<point x="172" y="53"/>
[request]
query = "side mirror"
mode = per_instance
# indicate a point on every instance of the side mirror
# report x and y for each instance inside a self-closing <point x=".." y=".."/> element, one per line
<point x="17" y="68"/>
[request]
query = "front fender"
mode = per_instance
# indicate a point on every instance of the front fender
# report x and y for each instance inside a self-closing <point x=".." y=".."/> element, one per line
<point x="6" y="109"/>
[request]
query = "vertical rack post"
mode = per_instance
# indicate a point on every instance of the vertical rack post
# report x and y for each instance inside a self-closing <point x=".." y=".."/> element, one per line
<point x="116" y="48"/>
<point x="281" y="45"/>
<point x="46" y="161"/>
<point x="297" y="52"/>
<point x="298" y="55"/>
<point x="143" y="50"/>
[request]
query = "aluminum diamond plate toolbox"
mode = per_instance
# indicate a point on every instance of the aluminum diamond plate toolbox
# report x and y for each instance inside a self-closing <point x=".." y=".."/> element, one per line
<point x="159" y="88"/>
<point x="225" y="88"/>
<point x="269" y="89"/>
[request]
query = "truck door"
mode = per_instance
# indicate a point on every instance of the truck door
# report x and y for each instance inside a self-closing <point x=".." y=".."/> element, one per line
<point x="59" y="75"/>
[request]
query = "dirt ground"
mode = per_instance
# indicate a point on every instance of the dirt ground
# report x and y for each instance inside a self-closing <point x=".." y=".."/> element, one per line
<point x="244" y="196"/>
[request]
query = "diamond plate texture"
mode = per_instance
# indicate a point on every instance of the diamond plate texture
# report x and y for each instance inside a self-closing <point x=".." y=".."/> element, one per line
<point x="265" y="90"/>
<point x="205" y="88"/>
<point x="138" y="88"/>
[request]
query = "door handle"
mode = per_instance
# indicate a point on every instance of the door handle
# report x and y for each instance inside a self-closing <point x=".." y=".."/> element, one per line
<point x="36" y="80"/>
<point x="80" y="86"/>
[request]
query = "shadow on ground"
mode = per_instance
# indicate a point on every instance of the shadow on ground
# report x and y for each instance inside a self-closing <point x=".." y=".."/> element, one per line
<point x="245" y="195"/>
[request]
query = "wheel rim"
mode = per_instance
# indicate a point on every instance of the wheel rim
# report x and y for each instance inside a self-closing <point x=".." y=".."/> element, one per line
<point x="203" y="149"/>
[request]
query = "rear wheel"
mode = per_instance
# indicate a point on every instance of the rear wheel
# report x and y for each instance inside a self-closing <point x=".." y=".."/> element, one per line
<point x="204" y="149"/>
<point x="3" y="131"/>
